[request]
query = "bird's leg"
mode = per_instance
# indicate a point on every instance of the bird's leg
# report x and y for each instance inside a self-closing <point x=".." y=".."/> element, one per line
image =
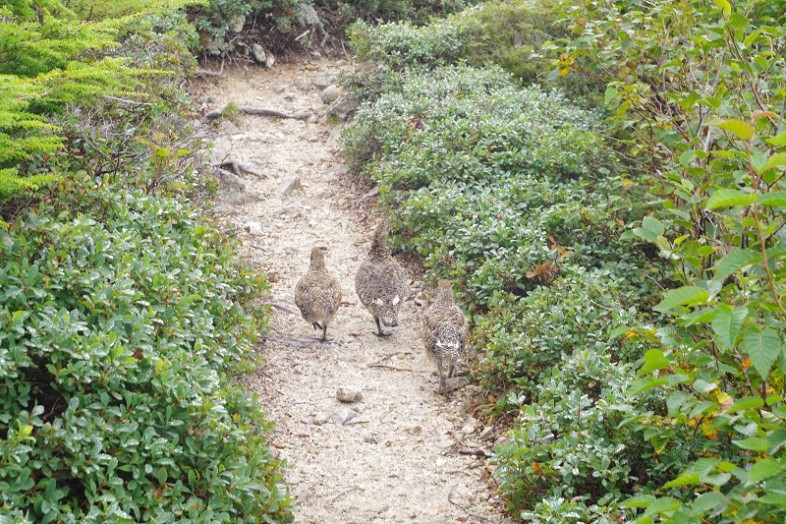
<point x="442" y="385"/>
<point x="324" y="333"/>
<point x="380" y="333"/>
<point x="317" y="325"/>
<point x="452" y="368"/>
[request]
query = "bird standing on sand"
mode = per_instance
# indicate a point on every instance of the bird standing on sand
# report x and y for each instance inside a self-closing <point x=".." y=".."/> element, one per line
<point x="444" y="332"/>
<point x="381" y="282"/>
<point x="318" y="294"/>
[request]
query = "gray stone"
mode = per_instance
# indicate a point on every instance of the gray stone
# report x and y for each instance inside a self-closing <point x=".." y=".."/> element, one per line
<point x="320" y="419"/>
<point x="349" y="394"/>
<point x="369" y="439"/>
<point x="254" y="228"/>
<point x="279" y="88"/>
<point x="236" y="23"/>
<point x="344" y="415"/>
<point x="330" y="94"/>
<point x="270" y="60"/>
<point x="291" y="212"/>
<point x="259" y="53"/>
<point x="303" y="84"/>
<point x="452" y="384"/>
<point x="288" y="186"/>
<point x="324" y="80"/>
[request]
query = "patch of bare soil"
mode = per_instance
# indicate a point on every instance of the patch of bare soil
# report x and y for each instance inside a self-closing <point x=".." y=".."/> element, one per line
<point x="401" y="454"/>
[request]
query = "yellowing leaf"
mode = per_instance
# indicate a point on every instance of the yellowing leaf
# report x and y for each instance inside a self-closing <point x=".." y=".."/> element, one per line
<point x="742" y="130"/>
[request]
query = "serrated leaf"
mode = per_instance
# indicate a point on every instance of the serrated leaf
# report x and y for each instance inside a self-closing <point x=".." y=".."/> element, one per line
<point x="686" y="479"/>
<point x="773" y="199"/>
<point x="774" y="498"/>
<point x="734" y="261"/>
<point x="752" y="443"/>
<point x="726" y="323"/>
<point x="745" y="403"/>
<point x="778" y="140"/>
<point x="742" y="130"/>
<point x="724" y="6"/>
<point x="707" y="501"/>
<point x="684" y="296"/>
<point x="763" y="347"/>
<point x="653" y="361"/>
<point x="778" y="159"/>
<point x="729" y="198"/>
<point x="764" y="469"/>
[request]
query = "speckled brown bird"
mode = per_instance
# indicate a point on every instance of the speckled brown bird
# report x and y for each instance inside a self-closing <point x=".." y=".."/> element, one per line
<point x="445" y="332"/>
<point x="318" y="294"/>
<point x="381" y="282"/>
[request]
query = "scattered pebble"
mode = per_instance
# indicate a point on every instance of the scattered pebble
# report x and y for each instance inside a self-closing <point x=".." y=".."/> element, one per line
<point x="349" y="394"/>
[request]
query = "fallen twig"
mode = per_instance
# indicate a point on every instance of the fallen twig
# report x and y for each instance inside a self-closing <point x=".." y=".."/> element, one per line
<point x="394" y="368"/>
<point x="282" y="308"/>
<point x="207" y="72"/>
<point x="259" y="111"/>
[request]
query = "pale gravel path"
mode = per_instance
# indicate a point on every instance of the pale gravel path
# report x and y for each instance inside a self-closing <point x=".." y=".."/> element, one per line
<point x="398" y="461"/>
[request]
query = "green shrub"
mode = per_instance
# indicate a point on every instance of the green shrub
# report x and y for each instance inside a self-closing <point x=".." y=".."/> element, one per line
<point x="119" y="329"/>
<point x="523" y="338"/>
<point x="571" y="444"/>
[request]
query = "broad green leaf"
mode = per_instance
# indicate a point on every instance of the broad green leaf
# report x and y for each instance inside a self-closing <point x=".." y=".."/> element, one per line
<point x="684" y="296"/>
<point x="778" y="140"/>
<point x="646" y="384"/>
<point x="724" y="6"/>
<point x="774" y="498"/>
<point x="745" y="403"/>
<point x="729" y="198"/>
<point x="726" y="323"/>
<point x="742" y="130"/>
<point x="686" y="479"/>
<point x="663" y="505"/>
<point x="708" y="501"/>
<point x="764" y="469"/>
<point x="650" y="230"/>
<point x="777" y="440"/>
<point x="653" y="361"/>
<point x="638" y="501"/>
<point x="752" y="443"/>
<point x="751" y="38"/>
<point x="734" y="261"/>
<point x="763" y="347"/>
<point x="778" y="159"/>
<point x="773" y="199"/>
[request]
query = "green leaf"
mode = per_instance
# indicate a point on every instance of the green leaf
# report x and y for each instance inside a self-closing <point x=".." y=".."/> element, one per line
<point x="734" y="261"/>
<point x="724" y="6"/>
<point x="752" y="443"/>
<point x="764" y="469"/>
<point x="685" y="479"/>
<point x="745" y="403"/>
<point x="778" y="140"/>
<point x="773" y="199"/>
<point x="708" y="501"/>
<point x="742" y="130"/>
<point x="650" y="230"/>
<point x="653" y="361"/>
<point x="684" y="296"/>
<point x="778" y="159"/>
<point x="774" y="498"/>
<point x="726" y="323"/>
<point x="763" y="347"/>
<point x="729" y="198"/>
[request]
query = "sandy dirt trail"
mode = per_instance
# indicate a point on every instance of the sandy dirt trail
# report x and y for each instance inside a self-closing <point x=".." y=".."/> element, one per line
<point x="405" y="454"/>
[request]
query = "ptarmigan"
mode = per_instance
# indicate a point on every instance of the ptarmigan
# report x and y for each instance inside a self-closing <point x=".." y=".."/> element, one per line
<point x="444" y="331"/>
<point x="318" y="294"/>
<point x="381" y="282"/>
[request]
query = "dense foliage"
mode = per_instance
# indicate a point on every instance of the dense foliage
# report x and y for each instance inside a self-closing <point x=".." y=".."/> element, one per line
<point x="124" y="317"/>
<point x="625" y="402"/>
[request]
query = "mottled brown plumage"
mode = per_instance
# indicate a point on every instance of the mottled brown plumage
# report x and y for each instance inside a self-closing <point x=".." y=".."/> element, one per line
<point x="318" y="294"/>
<point x="445" y="331"/>
<point x="381" y="282"/>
